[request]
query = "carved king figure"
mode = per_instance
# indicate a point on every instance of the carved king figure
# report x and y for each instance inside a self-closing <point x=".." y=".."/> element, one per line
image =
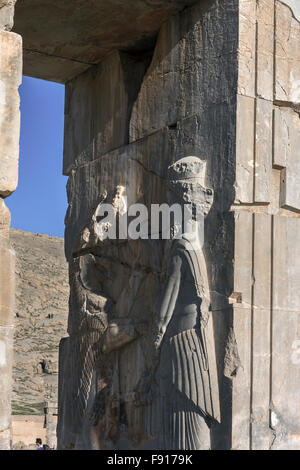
<point x="186" y="373"/>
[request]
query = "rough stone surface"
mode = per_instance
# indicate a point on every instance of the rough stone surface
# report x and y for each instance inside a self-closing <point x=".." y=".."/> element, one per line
<point x="287" y="55"/>
<point x="265" y="49"/>
<point x="188" y="49"/>
<point x="244" y="186"/>
<point x="63" y="39"/>
<point x="266" y="229"/>
<point x="40" y="319"/>
<point x="7" y="302"/>
<point x="7" y="14"/>
<point x="107" y="94"/>
<point x="10" y="79"/>
<point x="285" y="335"/>
<point x="286" y="156"/>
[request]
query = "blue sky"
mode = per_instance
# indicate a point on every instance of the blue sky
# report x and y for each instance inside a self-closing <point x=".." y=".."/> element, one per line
<point x="39" y="204"/>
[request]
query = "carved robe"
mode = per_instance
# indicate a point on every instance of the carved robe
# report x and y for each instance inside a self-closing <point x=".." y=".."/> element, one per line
<point x="187" y="375"/>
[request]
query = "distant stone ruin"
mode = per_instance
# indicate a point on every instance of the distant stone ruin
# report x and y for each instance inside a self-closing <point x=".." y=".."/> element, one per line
<point x="42" y="292"/>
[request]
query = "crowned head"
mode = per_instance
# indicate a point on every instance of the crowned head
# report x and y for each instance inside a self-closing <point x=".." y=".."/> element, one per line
<point x="188" y="168"/>
<point x="186" y="182"/>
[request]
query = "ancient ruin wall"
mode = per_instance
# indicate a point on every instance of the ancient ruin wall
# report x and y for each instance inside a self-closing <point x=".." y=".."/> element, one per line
<point x="183" y="103"/>
<point x="266" y="411"/>
<point x="223" y="84"/>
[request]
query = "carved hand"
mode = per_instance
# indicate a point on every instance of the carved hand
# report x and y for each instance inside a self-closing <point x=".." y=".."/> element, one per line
<point x="157" y="342"/>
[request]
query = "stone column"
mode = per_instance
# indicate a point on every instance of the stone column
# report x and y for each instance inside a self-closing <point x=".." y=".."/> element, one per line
<point x="50" y="411"/>
<point x="10" y="79"/>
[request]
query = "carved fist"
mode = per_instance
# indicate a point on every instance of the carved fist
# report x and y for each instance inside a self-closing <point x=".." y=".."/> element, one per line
<point x="157" y="342"/>
<point x="204" y="319"/>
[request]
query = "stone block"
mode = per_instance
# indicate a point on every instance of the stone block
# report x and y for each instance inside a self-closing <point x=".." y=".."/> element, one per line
<point x="265" y="49"/>
<point x="241" y="382"/>
<point x="263" y="150"/>
<point x="62" y="39"/>
<point x="261" y="328"/>
<point x="241" y="385"/>
<point x="281" y="154"/>
<point x="7" y="270"/>
<point x="247" y="48"/>
<point x="245" y="135"/>
<point x="287" y="156"/>
<point x="98" y="106"/>
<point x="10" y="79"/>
<point x="6" y="352"/>
<point x="285" y="334"/>
<point x="287" y="55"/>
<point x="7" y="8"/>
<point x="194" y="66"/>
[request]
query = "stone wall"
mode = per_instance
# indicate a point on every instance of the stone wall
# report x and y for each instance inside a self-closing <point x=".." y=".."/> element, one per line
<point x="42" y="294"/>
<point x="266" y="412"/>
<point x="183" y="103"/>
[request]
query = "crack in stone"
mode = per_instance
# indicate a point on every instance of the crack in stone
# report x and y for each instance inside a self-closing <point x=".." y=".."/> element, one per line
<point x="70" y="59"/>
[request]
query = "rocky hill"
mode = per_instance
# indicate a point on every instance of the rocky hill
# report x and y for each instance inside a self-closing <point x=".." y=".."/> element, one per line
<point x="42" y="292"/>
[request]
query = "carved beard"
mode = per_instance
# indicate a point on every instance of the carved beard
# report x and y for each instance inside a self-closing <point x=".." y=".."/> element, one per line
<point x="193" y="193"/>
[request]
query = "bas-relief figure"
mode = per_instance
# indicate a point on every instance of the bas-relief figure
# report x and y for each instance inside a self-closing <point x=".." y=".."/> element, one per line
<point x="187" y="375"/>
<point x="144" y="370"/>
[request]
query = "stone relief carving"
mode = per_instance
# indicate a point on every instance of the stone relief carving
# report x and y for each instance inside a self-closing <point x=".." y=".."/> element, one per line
<point x="144" y="375"/>
<point x="186" y="375"/>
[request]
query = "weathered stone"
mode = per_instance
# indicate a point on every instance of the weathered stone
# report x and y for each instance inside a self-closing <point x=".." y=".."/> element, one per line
<point x="286" y="156"/>
<point x="10" y="79"/>
<point x="241" y="382"/>
<point x="245" y="159"/>
<point x="260" y="330"/>
<point x="7" y="285"/>
<point x="6" y="352"/>
<point x="265" y="49"/>
<point x="189" y="60"/>
<point x="247" y="48"/>
<point x="98" y="106"/>
<point x="7" y="14"/>
<point x="51" y="423"/>
<point x="281" y="132"/>
<point x="287" y="55"/>
<point x="285" y="334"/>
<point x="7" y="278"/>
<point x="140" y="169"/>
<point x="62" y="39"/>
<point x="263" y="150"/>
